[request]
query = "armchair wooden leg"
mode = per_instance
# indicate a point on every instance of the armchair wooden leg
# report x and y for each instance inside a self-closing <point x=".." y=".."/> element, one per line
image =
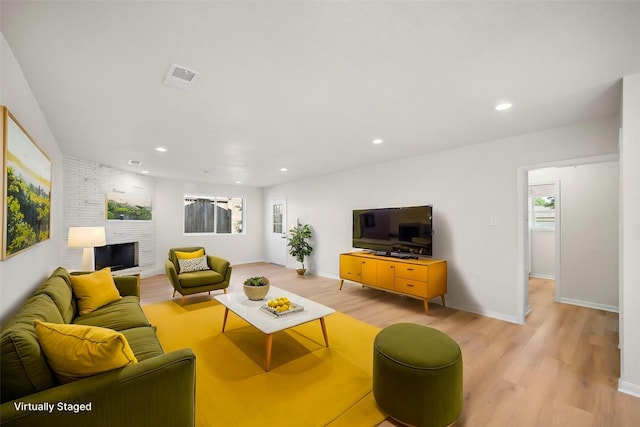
<point x="182" y="301"/>
<point x="174" y="293"/>
<point x="225" y="290"/>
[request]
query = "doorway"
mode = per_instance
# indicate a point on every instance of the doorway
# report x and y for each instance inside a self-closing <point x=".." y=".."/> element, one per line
<point x="277" y="239"/>
<point x="544" y="226"/>
<point x="589" y="234"/>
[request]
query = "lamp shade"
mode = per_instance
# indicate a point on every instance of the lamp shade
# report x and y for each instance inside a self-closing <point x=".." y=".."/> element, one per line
<point x="86" y="237"/>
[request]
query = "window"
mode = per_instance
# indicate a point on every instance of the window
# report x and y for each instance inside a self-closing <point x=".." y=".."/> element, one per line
<point x="544" y="213"/>
<point x="218" y="215"/>
<point x="278" y="218"/>
<point x="542" y="207"/>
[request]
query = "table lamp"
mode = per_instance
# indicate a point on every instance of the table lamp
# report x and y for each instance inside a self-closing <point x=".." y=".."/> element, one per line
<point x="87" y="238"/>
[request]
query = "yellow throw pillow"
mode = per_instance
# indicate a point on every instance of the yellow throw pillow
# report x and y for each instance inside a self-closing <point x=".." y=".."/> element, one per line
<point x="94" y="290"/>
<point x="78" y="351"/>
<point x="190" y="255"/>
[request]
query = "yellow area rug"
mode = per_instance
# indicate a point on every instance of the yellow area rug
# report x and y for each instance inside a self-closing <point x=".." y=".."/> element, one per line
<point x="308" y="384"/>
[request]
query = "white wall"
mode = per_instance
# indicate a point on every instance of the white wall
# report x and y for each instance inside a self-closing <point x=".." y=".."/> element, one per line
<point x="22" y="273"/>
<point x="86" y="186"/>
<point x="630" y="237"/>
<point x="588" y="212"/>
<point x="543" y="253"/>
<point x="169" y="217"/>
<point x="467" y="186"/>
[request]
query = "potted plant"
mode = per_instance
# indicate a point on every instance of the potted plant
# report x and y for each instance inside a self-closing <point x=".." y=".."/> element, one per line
<point x="299" y="246"/>
<point x="256" y="288"/>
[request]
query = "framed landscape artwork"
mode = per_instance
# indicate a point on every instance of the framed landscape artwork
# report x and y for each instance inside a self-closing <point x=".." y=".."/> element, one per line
<point x="26" y="189"/>
<point x="124" y="207"/>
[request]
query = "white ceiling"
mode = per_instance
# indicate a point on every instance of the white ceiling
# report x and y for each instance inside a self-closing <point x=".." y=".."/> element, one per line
<point x="308" y="85"/>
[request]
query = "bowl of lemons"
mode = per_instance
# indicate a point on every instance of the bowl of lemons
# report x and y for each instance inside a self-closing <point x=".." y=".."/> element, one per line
<point x="281" y="306"/>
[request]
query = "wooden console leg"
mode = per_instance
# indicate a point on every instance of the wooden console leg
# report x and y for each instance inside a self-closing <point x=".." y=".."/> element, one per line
<point x="443" y="302"/>
<point x="341" y="283"/>
<point x="426" y="306"/>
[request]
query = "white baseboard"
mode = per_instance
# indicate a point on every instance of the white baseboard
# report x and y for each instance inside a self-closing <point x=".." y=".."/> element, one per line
<point x="487" y="313"/>
<point x="628" y="388"/>
<point x="588" y="304"/>
<point x="543" y="276"/>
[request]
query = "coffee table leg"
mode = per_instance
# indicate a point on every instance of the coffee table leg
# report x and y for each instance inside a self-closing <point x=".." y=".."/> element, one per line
<point x="324" y="332"/>
<point x="269" y="345"/>
<point x="224" y="322"/>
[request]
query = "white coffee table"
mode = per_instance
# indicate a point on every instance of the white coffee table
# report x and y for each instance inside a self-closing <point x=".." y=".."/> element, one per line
<point x="269" y="324"/>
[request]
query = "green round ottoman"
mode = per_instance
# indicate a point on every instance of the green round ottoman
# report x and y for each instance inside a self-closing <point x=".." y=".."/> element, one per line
<point x="417" y="375"/>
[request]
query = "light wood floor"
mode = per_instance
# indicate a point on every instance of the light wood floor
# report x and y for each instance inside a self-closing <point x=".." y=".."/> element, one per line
<point x="560" y="369"/>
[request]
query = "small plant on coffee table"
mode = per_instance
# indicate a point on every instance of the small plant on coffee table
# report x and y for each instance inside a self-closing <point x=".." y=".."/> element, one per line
<point x="256" y="281"/>
<point x="256" y="288"/>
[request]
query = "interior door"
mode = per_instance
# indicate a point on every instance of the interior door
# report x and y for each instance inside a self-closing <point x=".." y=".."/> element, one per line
<point x="278" y="231"/>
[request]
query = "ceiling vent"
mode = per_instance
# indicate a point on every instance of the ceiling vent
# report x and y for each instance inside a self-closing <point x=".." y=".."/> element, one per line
<point x="181" y="77"/>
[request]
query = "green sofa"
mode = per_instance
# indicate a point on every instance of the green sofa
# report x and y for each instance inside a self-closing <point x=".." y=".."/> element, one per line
<point x="159" y="390"/>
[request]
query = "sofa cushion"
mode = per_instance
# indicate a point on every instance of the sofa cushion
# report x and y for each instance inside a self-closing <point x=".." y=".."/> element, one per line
<point x="79" y="351"/>
<point x="94" y="290"/>
<point x="184" y="253"/>
<point x="193" y="264"/>
<point x="61" y="294"/>
<point x="63" y="273"/>
<point x="24" y="368"/>
<point x="189" y="255"/>
<point x="143" y="342"/>
<point x="119" y="315"/>
<point x="200" y="278"/>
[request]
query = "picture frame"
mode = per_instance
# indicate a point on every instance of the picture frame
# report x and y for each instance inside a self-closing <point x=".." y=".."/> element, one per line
<point x="26" y="189"/>
<point x="128" y="207"/>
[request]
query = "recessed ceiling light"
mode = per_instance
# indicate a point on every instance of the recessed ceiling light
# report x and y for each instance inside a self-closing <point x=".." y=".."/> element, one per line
<point x="145" y="172"/>
<point x="135" y="162"/>
<point x="377" y="141"/>
<point x="283" y="169"/>
<point x="238" y="182"/>
<point x="161" y="149"/>
<point x="502" y="107"/>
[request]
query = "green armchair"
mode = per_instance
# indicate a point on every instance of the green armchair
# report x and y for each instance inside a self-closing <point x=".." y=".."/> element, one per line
<point x="217" y="276"/>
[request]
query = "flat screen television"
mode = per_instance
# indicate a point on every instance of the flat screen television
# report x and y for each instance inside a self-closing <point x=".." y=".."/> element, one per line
<point x="403" y="231"/>
<point x="118" y="256"/>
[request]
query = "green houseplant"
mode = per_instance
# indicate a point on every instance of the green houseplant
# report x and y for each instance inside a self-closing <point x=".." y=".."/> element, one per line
<point x="299" y="246"/>
<point x="256" y="288"/>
